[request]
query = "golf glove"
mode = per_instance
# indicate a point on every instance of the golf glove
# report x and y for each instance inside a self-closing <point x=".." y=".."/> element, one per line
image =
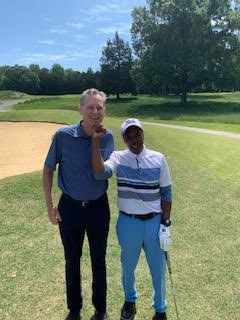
<point x="164" y="237"/>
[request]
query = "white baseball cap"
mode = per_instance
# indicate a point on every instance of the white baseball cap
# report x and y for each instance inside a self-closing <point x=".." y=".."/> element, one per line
<point x="131" y="122"/>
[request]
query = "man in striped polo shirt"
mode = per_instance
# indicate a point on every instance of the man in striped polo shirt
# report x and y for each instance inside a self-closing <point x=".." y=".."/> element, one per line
<point x="144" y="201"/>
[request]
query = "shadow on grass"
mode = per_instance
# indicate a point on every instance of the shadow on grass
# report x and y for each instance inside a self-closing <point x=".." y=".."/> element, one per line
<point x="171" y="111"/>
<point x="147" y="106"/>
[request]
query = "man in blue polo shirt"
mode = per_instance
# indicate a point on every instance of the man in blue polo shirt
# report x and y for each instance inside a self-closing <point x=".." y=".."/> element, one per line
<point x="83" y="206"/>
<point x="144" y="201"/>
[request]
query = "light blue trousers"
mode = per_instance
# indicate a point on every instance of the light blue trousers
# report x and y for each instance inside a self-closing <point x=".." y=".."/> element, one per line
<point x="133" y="235"/>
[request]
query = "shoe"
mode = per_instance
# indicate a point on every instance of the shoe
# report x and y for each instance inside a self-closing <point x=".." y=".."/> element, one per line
<point x="73" y="315"/>
<point x="160" y="316"/>
<point x="128" y="311"/>
<point x="100" y="316"/>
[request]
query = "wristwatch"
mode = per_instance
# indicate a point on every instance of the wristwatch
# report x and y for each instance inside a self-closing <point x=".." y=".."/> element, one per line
<point x="166" y="222"/>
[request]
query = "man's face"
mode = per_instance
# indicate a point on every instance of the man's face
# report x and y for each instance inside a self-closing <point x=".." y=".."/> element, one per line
<point x="134" y="139"/>
<point x="93" y="110"/>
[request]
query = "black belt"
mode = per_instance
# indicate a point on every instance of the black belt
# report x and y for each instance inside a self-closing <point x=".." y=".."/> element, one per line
<point x="145" y="216"/>
<point x="87" y="203"/>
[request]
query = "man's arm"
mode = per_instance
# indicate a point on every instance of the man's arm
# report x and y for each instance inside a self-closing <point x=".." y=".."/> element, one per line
<point x="97" y="160"/>
<point x="166" y="209"/>
<point x="166" y="204"/>
<point x="47" y="182"/>
<point x="166" y="201"/>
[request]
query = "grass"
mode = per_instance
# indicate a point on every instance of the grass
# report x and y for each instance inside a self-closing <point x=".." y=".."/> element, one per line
<point x="205" y="233"/>
<point x="10" y="95"/>
<point x="219" y="111"/>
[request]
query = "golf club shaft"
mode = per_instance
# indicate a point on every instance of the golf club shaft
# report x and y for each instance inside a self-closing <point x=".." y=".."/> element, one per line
<point x="171" y="281"/>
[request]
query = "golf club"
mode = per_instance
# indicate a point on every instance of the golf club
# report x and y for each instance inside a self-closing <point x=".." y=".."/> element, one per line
<point x="171" y="281"/>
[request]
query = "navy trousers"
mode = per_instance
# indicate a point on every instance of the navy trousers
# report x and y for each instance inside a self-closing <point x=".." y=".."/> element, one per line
<point x="76" y="221"/>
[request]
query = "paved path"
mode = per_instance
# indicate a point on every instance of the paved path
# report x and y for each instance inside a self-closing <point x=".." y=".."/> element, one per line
<point x="207" y="131"/>
<point x="5" y="104"/>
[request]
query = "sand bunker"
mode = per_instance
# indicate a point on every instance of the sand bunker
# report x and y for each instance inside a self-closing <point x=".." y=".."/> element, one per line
<point x="24" y="146"/>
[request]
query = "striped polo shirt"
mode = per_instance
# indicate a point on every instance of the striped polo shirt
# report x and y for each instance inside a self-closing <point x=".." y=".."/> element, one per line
<point x="139" y="179"/>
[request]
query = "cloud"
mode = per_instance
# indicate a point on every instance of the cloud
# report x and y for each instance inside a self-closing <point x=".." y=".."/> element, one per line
<point x="123" y="7"/>
<point x="104" y="14"/>
<point x="106" y="30"/>
<point x="48" y="42"/>
<point x="75" y="25"/>
<point x="121" y="28"/>
<point x="100" y="11"/>
<point x="88" y="53"/>
<point x="29" y="58"/>
<point x="80" y="36"/>
<point x="72" y="55"/>
<point x="58" y="30"/>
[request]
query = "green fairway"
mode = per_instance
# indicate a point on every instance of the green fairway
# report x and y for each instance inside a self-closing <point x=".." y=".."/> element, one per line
<point x="205" y="245"/>
<point x="219" y="111"/>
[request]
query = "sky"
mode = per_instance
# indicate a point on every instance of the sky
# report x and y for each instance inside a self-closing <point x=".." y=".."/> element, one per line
<point x="71" y="33"/>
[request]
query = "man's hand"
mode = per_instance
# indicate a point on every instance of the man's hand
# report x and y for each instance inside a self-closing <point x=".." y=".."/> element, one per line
<point x="98" y="131"/>
<point x="164" y="237"/>
<point x="54" y="215"/>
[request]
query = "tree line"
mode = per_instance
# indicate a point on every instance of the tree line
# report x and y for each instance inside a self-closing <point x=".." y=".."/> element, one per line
<point x="178" y="46"/>
<point x="36" y="80"/>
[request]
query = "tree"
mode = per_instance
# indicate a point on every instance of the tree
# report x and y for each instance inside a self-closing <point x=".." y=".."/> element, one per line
<point x="57" y="78"/>
<point x="34" y="68"/>
<point x="116" y="63"/>
<point x="179" y="43"/>
<point x="21" y="79"/>
<point x="2" y="75"/>
<point x="45" y="81"/>
<point x="74" y="81"/>
<point x="91" y="79"/>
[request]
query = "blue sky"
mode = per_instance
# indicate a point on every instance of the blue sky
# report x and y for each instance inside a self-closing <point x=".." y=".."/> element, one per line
<point x="71" y="33"/>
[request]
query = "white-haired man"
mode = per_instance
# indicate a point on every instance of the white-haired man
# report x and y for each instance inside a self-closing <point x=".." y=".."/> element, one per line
<point x="83" y="206"/>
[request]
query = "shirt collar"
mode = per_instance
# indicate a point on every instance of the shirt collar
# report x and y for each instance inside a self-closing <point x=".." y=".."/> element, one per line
<point x="141" y="154"/>
<point x="78" y="133"/>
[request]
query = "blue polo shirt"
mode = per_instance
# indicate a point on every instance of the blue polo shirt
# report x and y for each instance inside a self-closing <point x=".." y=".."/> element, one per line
<point x="71" y="150"/>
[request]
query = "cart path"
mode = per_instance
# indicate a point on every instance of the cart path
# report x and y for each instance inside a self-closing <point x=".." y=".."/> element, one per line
<point x="200" y="130"/>
<point x="8" y="103"/>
